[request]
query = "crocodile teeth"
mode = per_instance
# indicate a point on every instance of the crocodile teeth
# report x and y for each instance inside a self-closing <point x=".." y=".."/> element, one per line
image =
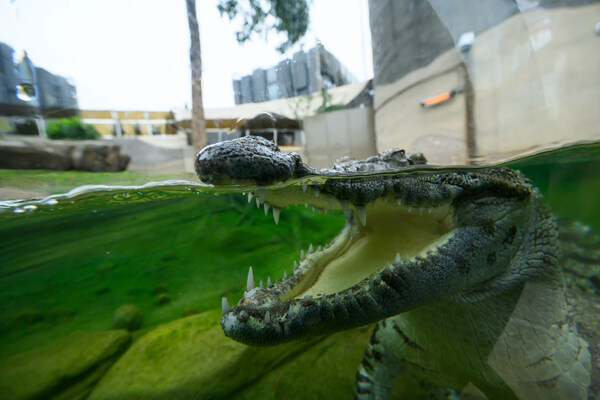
<point x="284" y="275"/>
<point x="269" y="284"/>
<point x="310" y="249"/>
<point x="317" y="191"/>
<point x="430" y="210"/>
<point x="304" y="188"/>
<point x="409" y="209"/>
<point x="345" y="208"/>
<point x="399" y="201"/>
<point x="295" y="266"/>
<point x="250" y="281"/>
<point x="337" y="298"/>
<point x="398" y="259"/>
<point x="302" y="256"/>
<point x="250" y="196"/>
<point x="257" y="202"/>
<point x="314" y="209"/>
<point x="319" y="248"/>
<point x="420" y="210"/>
<point x="260" y="285"/>
<point x="261" y="193"/>
<point x="330" y="200"/>
<point x="361" y="211"/>
<point x="225" y="305"/>
<point x="267" y="318"/>
<point x="276" y="212"/>
<point x="266" y="205"/>
<point x="377" y="280"/>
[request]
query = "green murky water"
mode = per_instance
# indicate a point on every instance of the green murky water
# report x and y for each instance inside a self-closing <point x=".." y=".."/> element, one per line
<point x="175" y="248"/>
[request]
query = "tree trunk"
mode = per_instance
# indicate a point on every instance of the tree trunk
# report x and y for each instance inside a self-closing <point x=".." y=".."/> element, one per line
<point x="198" y="122"/>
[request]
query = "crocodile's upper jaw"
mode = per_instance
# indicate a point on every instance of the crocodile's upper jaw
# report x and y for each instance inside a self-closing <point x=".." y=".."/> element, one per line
<point x="398" y="251"/>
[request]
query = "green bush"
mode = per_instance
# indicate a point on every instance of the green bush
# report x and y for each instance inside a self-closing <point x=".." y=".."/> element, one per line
<point x="71" y="128"/>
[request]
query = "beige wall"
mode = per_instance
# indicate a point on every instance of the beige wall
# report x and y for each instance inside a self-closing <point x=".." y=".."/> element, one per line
<point x="335" y="134"/>
<point x="536" y="79"/>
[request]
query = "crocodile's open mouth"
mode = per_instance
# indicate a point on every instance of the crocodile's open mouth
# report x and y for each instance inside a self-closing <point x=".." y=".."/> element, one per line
<point x="391" y="232"/>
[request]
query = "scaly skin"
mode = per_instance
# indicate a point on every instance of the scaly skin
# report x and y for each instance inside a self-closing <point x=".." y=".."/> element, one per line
<point x="474" y="298"/>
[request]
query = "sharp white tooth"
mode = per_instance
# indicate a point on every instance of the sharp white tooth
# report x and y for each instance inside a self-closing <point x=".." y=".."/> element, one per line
<point x="225" y="305"/>
<point x="276" y="212"/>
<point x="261" y="194"/>
<point x="337" y="298"/>
<point x="250" y="196"/>
<point x="285" y="275"/>
<point x="330" y="200"/>
<point x="319" y="248"/>
<point x="361" y="211"/>
<point x="250" y="281"/>
<point x="269" y="284"/>
<point x="266" y="205"/>
<point x="260" y="285"/>
<point x="345" y="208"/>
<point x="267" y="318"/>
<point x="310" y="249"/>
<point x="399" y="201"/>
<point x="314" y="209"/>
<point x="305" y="205"/>
<point x="304" y="188"/>
<point x="302" y="255"/>
<point x="257" y="202"/>
<point x="430" y="210"/>
<point x="398" y="259"/>
<point x="407" y="259"/>
<point x="317" y="191"/>
<point x="420" y="210"/>
<point x="409" y="209"/>
<point x="295" y="266"/>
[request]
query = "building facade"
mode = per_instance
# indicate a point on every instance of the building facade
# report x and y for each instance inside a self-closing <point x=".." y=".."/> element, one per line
<point x="27" y="90"/>
<point x="305" y="73"/>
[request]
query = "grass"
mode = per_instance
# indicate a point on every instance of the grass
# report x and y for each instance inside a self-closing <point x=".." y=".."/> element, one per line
<point x="48" y="182"/>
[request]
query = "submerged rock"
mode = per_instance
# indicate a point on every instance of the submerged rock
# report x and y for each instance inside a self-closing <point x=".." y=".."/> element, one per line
<point x="128" y="317"/>
<point x="65" y="369"/>
<point x="191" y="358"/>
<point x="162" y="299"/>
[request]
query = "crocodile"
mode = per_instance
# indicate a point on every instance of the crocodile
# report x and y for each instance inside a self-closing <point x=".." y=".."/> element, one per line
<point x="460" y="270"/>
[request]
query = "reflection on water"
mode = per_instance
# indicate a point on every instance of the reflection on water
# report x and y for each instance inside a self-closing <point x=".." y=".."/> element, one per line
<point x="100" y="258"/>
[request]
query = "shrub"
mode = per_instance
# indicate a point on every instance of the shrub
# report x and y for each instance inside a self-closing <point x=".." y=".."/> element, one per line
<point x="71" y="128"/>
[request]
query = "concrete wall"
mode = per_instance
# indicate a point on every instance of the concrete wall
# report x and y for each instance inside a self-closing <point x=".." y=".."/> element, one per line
<point x="336" y="134"/>
<point x="535" y="84"/>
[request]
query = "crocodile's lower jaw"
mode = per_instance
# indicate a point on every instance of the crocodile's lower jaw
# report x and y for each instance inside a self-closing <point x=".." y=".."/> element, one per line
<point x="328" y="281"/>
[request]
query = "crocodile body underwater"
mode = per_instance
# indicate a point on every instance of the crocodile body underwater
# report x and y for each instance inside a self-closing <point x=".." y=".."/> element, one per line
<point x="460" y="270"/>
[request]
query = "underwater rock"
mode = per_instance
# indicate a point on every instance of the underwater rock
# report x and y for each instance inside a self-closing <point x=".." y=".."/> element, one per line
<point x="162" y="298"/>
<point x="191" y="358"/>
<point x="129" y="317"/>
<point x="65" y="369"/>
